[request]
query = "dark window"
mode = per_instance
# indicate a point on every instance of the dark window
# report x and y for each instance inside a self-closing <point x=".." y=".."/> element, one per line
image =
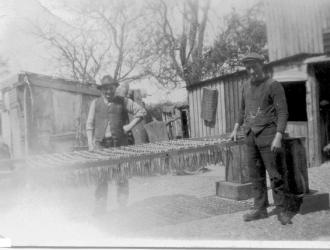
<point x="295" y="93"/>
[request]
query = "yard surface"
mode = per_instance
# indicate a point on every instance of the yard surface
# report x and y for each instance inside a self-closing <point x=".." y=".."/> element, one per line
<point x="160" y="208"/>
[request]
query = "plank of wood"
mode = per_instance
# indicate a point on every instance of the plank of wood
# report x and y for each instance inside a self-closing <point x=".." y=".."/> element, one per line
<point x="227" y="105"/>
<point x="313" y="118"/>
<point x="198" y="104"/>
<point x="236" y="99"/>
<point x="204" y="127"/>
<point x="222" y="114"/>
<point x="200" y="101"/>
<point x="217" y="117"/>
<point x="310" y="121"/>
<point x="232" y="104"/>
<point x="192" y="114"/>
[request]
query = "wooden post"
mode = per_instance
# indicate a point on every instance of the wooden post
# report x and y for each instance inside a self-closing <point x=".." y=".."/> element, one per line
<point x="313" y="115"/>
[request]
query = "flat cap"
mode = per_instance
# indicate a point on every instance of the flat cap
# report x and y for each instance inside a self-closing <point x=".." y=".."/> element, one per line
<point x="253" y="57"/>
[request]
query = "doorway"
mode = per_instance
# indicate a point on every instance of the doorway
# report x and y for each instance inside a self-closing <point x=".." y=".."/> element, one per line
<point x="322" y="74"/>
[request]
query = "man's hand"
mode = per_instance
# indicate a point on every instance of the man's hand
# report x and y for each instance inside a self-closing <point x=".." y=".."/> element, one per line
<point x="277" y="143"/>
<point x="127" y="128"/>
<point x="233" y="135"/>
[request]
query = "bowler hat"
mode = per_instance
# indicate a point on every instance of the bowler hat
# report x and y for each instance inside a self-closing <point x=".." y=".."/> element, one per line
<point x="107" y="80"/>
<point x="253" y="57"/>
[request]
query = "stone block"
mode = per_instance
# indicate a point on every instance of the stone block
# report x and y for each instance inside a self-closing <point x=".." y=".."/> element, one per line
<point x="235" y="191"/>
<point x="314" y="201"/>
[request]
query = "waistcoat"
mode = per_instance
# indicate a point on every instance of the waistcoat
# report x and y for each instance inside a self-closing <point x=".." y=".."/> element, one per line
<point x="115" y="114"/>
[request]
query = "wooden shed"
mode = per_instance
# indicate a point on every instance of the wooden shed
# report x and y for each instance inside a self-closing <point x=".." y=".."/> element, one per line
<point x="44" y="114"/>
<point x="297" y="34"/>
<point x="295" y="26"/>
<point x="304" y="79"/>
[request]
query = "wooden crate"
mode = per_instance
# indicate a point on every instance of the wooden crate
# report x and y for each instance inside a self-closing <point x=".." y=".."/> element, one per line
<point x="236" y="164"/>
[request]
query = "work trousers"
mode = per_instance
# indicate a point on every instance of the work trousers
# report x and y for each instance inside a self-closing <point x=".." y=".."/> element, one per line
<point x="261" y="158"/>
<point x="102" y="186"/>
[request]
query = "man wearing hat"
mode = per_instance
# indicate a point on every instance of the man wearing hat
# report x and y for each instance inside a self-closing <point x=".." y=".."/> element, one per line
<point x="106" y="127"/>
<point x="263" y="114"/>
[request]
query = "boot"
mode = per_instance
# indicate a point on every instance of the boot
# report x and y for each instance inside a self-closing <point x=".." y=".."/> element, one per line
<point x="285" y="217"/>
<point x="255" y="214"/>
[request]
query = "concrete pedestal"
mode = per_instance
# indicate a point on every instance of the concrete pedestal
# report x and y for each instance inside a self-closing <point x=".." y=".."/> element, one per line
<point x="235" y="191"/>
<point x="314" y="201"/>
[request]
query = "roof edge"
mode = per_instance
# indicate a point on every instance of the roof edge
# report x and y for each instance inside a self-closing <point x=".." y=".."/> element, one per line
<point x="301" y="57"/>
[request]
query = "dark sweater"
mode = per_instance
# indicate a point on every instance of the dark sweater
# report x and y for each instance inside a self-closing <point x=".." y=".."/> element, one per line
<point x="263" y="105"/>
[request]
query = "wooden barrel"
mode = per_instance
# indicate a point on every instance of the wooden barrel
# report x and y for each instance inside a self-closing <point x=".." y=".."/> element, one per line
<point x="236" y="163"/>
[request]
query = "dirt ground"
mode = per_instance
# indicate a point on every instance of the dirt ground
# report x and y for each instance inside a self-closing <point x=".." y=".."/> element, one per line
<point x="160" y="208"/>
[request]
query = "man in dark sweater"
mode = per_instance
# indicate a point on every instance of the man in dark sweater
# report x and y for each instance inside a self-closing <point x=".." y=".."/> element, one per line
<point x="107" y="126"/>
<point x="264" y="113"/>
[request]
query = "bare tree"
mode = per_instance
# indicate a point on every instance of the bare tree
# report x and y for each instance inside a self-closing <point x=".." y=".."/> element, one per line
<point x="139" y="39"/>
<point x="180" y="51"/>
<point x="108" y="37"/>
<point x="77" y="50"/>
<point x="124" y="21"/>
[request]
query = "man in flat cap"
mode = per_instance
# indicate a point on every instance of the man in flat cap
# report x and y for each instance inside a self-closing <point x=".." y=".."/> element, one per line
<point x="264" y="113"/>
<point x="106" y="127"/>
